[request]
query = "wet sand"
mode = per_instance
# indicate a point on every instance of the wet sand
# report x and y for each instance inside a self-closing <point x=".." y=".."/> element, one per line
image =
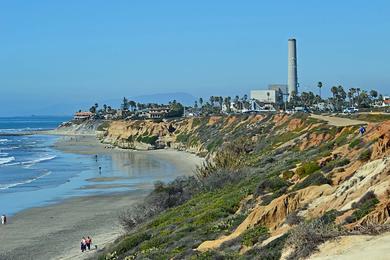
<point x="55" y="231"/>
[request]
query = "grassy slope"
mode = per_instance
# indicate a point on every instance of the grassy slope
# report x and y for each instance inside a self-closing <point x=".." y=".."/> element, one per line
<point x="175" y="232"/>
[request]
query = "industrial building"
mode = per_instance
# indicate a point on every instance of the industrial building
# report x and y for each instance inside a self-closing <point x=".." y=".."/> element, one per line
<point x="292" y="77"/>
<point x="275" y="92"/>
<point x="279" y="87"/>
<point x="267" y="96"/>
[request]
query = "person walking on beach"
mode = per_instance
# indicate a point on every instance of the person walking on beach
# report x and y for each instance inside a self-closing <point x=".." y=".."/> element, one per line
<point x="83" y="244"/>
<point x="3" y="219"/>
<point x="88" y="242"/>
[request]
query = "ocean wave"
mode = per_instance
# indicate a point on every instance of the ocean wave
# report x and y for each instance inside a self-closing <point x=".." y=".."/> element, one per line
<point x="28" y="164"/>
<point x="3" y="140"/>
<point x="9" y="148"/>
<point x="3" y="154"/>
<point x="6" y="160"/>
<point x="48" y="158"/>
<point x="25" y="129"/>
<point x="11" y="185"/>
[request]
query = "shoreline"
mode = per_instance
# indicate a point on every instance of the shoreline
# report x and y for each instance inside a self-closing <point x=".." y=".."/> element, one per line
<point x="54" y="231"/>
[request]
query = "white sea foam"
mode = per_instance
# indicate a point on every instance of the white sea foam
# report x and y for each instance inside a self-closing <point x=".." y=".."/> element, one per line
<point x="3" y="140"/>
<point x="6" y="160"/>
<point x="48" y="158"/>
<point x="28" y="164"/>
<point x="11" y="185"/>
<point x="3" y="154"/>
<point x="10" y="148"/>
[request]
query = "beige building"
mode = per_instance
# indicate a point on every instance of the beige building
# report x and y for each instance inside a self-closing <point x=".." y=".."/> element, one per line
<point x="266" y="96"/>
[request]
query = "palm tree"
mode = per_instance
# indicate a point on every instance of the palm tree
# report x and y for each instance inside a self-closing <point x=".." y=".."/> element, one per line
<point x="319" y="86"/>
<point x="364" y="99"/>
<point x="334" y="94"/>
<point x="350" y="96"/>
<point x="220" y="100"/>
<point x="227" y="104"/>
<point x="373" y="95"/>
<point x="334" y="91"/>
<point x="201" y="102"/>
<point x="212" y="99"/>
<point x="312" y="98"/>
<point x="125" y="104"/>
<point x="341" y="95"/>
<point x="305" y="98"/>
<point x="132" y="104"/>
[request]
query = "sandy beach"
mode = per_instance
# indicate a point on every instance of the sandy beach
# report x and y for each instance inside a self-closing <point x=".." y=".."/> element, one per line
<point x="55" y="231"/>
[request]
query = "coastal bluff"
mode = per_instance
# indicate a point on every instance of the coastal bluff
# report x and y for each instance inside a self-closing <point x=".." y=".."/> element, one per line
<point x="269" y="181"/>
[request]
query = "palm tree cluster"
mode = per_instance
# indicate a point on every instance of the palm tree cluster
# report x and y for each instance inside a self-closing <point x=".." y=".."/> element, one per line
<point x="126" y="104"/>
<point x="356" y="98"/>
<point x="217" y="104"/>
<point x="338" y="97"/>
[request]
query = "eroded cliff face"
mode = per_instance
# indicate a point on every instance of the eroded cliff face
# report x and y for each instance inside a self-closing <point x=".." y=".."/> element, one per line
<point x="349" y="184"/>
<point x="201" y="136"/>
<point x="146" y="135"/>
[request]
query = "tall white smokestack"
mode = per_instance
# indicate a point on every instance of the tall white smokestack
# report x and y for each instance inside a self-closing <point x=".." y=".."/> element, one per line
<point x="292" y="80"/>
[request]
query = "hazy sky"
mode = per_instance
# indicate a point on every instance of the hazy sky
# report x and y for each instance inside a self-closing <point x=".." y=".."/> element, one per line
<point x="72" y="52"/>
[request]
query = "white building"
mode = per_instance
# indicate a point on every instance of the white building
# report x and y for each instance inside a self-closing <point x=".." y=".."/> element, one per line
<point x="266" y="96"/>
<point x="386" y="101"/>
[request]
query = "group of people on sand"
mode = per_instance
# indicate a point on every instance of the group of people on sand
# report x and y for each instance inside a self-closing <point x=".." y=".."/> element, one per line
<point x="85" y="243"/>
<point x="3" y="219"/>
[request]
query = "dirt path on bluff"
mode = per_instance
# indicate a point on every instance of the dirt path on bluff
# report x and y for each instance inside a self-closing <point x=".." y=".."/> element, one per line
<point x="338" y="121"/>
<point x="355" y="247"/>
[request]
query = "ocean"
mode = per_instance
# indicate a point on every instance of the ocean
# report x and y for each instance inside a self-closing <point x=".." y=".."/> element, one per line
<point x="34" y="173"/>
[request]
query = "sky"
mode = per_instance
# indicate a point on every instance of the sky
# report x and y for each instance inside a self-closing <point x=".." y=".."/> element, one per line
<point x="59" y="56"/>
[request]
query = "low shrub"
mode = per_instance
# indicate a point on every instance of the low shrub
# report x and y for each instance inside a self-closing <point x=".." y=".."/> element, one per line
<point x="293" y="219"/>
<point x="355" y="143"/>
<point x="312" y="180"/>
<point x="364" y="206"/>
<point x="330" y="216"/>
<point x="272" y="251"/>
<point x="370" y="195"/>
<point x="230" y="159"/>
<point x="103" y="126"/>
<point x="131" y="241"/>
<point x="287" y="175"/>
<point x="229" y="224"/>
<point x="268" y="198"/>
<point x="163" y="196"/>
<point x="254" y="235"/>
<point x="272" y="184"/>
<point x="365" y="155"/>
<point x="306" y="237"/>
<point x="335" y="163"/>
<point x="307" y="168"/>
<point x="183" y="138"/>
<point x="147" y="139"/>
